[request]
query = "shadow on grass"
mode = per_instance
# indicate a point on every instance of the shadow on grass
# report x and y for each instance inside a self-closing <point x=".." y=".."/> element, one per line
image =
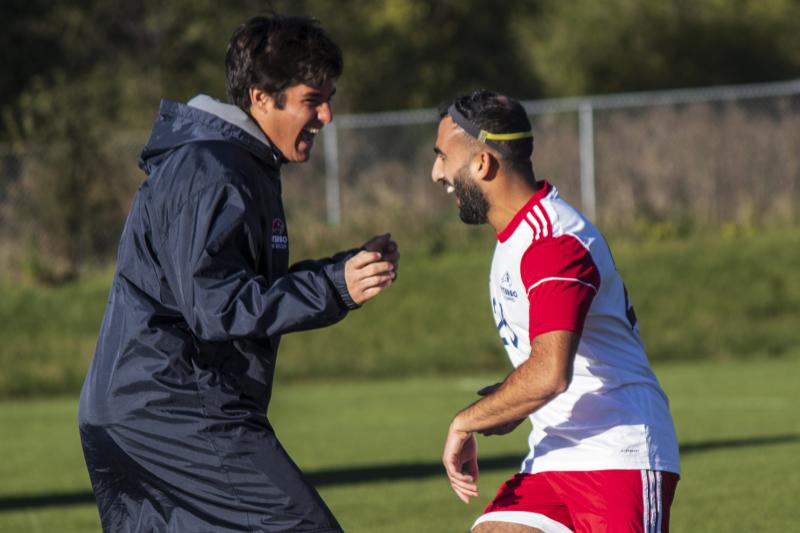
<point x="391" y="472"/>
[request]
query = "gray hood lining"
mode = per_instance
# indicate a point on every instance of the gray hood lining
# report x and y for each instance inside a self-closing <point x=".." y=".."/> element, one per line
<point x="229" y="113"/>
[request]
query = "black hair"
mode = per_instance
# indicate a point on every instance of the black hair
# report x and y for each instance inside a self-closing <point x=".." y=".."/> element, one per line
<point x="497" y="113"/>
<point x="274" y="53"/>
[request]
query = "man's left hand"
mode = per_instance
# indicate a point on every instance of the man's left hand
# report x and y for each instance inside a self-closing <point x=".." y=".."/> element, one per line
<point x="460" y="448"/>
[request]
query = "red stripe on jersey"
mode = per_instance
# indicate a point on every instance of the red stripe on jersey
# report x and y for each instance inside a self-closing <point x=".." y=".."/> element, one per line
<point x="508" y="231"/>
<point x="561" y="280"/>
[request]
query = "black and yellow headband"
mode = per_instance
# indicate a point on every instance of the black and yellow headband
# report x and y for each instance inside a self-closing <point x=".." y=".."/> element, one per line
<point x="485" y="136"/>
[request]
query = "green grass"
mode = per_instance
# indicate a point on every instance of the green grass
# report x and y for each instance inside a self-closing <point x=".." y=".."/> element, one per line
<point x="710" y="296"/>
<point x="49" y="335"/>
<point x="737" y="423"/>
<point x="716" y="297"/>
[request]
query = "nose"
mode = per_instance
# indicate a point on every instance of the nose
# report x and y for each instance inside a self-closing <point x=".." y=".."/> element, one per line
<point x="436" y="171"/>
<point x="325" y="113"/>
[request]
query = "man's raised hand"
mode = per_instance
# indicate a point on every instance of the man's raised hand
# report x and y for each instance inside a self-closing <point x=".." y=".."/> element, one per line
<point x="372" y="270"/>
<point x="386" y="246"/>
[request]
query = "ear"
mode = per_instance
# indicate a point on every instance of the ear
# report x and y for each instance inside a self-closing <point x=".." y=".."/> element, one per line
<point x="484" y="165"/>
<point x="260" y="101"/>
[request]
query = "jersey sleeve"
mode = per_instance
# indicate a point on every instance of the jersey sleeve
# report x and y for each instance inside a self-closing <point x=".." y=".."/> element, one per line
<point x="561" y="280"/>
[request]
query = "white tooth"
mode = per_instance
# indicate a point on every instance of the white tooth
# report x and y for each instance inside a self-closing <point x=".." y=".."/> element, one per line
<point x="450" y="189"/>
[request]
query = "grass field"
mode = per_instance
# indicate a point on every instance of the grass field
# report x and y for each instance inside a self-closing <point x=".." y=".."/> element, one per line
<point x="711" y="296"/>
<point x="363" y="406"/>
<point x="373" y="450"/>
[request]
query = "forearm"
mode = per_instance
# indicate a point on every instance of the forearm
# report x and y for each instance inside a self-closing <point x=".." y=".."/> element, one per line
<point x="545" y="375"/>
<point x="520" y="395"/>
<point x="334" y="269"/>
<point x="241" y="306"/>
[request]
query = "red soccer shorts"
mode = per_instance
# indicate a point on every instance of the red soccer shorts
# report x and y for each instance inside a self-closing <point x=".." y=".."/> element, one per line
<point x="612" y="501"/>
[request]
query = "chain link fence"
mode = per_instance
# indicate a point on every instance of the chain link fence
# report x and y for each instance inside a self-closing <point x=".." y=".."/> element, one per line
<point x="713" y="155"/>
<point x="696" y="156"/>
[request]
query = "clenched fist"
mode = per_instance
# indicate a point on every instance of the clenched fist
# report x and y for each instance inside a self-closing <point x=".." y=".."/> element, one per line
<point x="373" y="269"/>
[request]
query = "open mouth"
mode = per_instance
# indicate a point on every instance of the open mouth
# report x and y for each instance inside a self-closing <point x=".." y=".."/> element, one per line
<point x="307" y="134"/>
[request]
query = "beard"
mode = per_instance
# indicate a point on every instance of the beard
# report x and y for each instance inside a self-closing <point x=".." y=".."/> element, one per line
<point x="473" y="206"/>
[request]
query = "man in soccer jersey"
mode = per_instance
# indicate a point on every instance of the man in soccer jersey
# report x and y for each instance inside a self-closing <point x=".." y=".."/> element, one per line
<point x="173" y="412"/>
<point x="603" y="453"/>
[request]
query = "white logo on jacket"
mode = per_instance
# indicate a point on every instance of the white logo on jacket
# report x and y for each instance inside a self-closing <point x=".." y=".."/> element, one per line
<point x="280" y="241"/>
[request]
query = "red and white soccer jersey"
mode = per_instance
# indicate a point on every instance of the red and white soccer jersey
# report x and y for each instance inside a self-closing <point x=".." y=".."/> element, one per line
<point x="553" y="270"/>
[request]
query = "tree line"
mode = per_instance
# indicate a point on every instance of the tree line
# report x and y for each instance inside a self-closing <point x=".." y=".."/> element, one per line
<point x="78" y="73"/>
<point x="401" y="53"/>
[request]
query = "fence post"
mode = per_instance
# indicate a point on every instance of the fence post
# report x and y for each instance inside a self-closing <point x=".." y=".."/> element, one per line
<point x="586" y="137"/>
<point x="332" y="198"/>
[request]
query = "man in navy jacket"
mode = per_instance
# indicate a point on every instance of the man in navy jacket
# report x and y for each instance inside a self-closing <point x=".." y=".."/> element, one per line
<point x="173" y="410"/>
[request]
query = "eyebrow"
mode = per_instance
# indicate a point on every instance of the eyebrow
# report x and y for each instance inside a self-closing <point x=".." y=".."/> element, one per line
<point x="318" y="94"/>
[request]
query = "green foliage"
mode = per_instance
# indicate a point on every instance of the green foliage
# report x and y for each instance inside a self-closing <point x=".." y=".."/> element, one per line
<point x="107" y="63"/>
<point x="739" y="413"/>
<point x="411" y="53"/>
<point x="70" y="202"/>
<point x="714" y="296"/>
<point x="85" y="74"/>
<point x="49" y="334"/>
<point x="144" y="50"/>
<point x="398" y="54"/>
<point x="583" y="46"/>
<point x="418" y="53"/>
<point x="697" y="298"/>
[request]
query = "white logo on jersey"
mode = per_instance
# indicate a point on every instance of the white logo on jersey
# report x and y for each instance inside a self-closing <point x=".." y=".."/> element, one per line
<point x="507" y="289"/>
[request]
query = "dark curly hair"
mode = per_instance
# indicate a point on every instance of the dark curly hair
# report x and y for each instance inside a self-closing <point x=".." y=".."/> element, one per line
<point x="274" y="53"/>
<point x="497" y="113"/>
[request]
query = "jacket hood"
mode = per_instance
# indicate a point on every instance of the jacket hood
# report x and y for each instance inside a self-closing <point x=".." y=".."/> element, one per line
<point x="204" y="119"/>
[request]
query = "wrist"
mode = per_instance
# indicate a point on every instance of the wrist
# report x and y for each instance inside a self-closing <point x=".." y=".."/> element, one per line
<point x="458" y="425"/>
<point x="338" y="277"/>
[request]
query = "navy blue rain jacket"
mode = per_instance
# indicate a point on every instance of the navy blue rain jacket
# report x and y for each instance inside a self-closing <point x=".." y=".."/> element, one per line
<point x="173" y="409"/>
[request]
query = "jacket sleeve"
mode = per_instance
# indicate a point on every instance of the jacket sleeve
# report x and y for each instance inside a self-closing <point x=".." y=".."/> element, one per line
<point x="209" y="257"/>
<point x="333" y="269"/>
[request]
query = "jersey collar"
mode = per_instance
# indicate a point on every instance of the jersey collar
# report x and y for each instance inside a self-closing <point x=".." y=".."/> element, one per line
<point x="511" y="227"/>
